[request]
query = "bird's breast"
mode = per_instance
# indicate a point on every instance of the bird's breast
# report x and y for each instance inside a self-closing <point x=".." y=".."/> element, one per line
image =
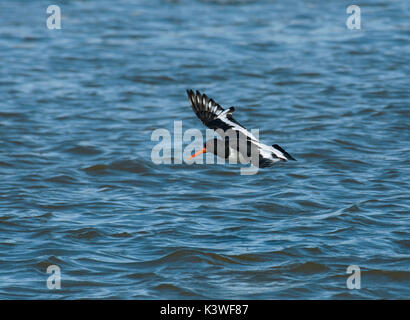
<point x="236" y="157"/>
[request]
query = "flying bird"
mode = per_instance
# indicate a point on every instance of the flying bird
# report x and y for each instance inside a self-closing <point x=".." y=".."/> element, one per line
<point x="246" y="148"/>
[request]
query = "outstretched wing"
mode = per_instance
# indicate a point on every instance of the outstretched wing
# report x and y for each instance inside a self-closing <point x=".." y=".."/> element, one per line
<point x="213" y="115"/>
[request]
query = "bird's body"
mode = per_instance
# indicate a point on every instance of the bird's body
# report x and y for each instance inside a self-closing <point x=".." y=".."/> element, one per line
<point x="239" y="145"/>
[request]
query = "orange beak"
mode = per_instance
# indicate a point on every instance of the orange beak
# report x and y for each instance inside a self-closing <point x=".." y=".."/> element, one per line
<point x="197" y="153"/>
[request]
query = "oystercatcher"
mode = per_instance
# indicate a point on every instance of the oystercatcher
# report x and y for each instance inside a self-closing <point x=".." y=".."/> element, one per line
<point x="215" y="117"/>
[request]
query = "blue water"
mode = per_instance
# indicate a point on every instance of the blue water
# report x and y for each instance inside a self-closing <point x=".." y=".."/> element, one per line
<point x="79" y="190"/>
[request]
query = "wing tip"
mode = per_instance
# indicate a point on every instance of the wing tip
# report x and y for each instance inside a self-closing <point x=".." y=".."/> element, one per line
<point x="190" y="93"/>
<point x="204" y="107"/>
<point x="198" y="101"/>
<point x="287" y="155"/>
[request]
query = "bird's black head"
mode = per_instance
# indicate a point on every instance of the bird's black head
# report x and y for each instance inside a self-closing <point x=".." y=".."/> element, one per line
<point x="216" y="146"/>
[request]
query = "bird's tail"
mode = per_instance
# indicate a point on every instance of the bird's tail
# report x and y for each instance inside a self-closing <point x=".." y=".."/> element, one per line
<point x="287" y="155"/>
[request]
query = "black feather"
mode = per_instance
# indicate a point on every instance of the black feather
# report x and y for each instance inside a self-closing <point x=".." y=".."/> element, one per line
<point x="287" y="155"/>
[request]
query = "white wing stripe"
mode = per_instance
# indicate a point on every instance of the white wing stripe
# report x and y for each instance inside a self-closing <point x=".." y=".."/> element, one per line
<point x="236" y="127"/>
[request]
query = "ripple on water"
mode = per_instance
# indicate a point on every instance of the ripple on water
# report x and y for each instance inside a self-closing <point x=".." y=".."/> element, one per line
<point x="85" y="233"/>
<point x="130" y="166"/>
<point x="84" y="150"/>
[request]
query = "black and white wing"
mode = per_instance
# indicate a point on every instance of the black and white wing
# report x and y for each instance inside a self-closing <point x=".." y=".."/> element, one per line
<point x="214" y="116"/>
